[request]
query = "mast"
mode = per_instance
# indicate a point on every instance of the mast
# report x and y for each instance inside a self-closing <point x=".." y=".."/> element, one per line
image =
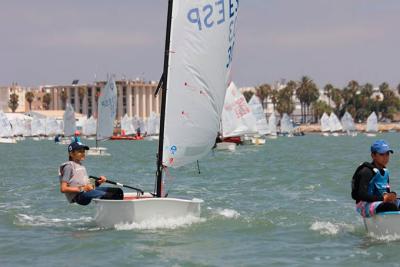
<point x="163" y="101"/>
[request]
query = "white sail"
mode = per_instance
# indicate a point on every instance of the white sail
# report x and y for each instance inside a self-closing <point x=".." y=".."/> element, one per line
<point x="69" y="120"/>
<point x="198" y="74"/>
<point x="17" y="126"/>
<point x="5" y="126"/>
<point x="258" y="112"/>
<point x="272" y="124"/>
<point x="334" y="123"/>
<point x="38" y="126"/>
<point x="89" y="126"/>
<point x="348" y="122"/>
<point x="237" y="118"/>
<point x="107" y="110"/>
<point x="127" y="125"/>
<point x="372" y="123"/>
<point x="286" y="124"/>
<point x="325" y="127"/>
<point x="51" y="126"/>
<point x="153" y="124"/>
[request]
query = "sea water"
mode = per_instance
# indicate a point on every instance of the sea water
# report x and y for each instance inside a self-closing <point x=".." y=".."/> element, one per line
<point x="286" y="203"/>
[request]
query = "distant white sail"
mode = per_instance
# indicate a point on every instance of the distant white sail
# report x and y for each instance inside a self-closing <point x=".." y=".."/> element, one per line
<point x="334" y="123"/>
<point x="38" y="126"/>
<point x="286" y="124"/>
<point x="348" y="122"/>
<point x="325" y="127"/>
<point x="237" y="118"/>
<point x="107" y="110"/>
<point x="152" y="124"/>
<point x="17" y="126"/>
<point x="5" y="126"/>
<point x="69" y="120"/>
<point x="127" y="125"/>
<point x="198" y="74"/>
<point x="272" y="124"/>
<point x="51" y="126"/>
<point x="89" y="126"/>
<point x="372" y="123"/>
<point x="258" y="112"/>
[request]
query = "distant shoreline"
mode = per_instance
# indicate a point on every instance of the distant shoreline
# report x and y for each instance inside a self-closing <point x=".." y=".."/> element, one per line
<point x="383" y="127"/>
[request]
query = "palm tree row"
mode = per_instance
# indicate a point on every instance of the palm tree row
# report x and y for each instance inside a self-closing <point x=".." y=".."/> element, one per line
<point x="358" y="100"/>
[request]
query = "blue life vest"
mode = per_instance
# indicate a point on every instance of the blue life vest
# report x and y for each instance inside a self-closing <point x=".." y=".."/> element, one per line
<point x="379" y="184"/>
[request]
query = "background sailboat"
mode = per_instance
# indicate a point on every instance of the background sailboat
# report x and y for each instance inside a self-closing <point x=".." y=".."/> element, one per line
<point x="272" y="126"/>
<point x="6" y="132"/>
<point x="107" y="110"/>
<point x="372" y="125"/>
<point x="325" y="127"/>
<point x="261" y="121"/>
<point x="69" y="123"/>
<point x="348" y="124"/>
<point x="196" y="74"/>
<point x="237" y="118"/>
<point x="334" y="124"/>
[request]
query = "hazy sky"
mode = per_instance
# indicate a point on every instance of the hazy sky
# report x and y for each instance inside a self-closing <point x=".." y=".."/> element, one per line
<point x="332" y="41"/>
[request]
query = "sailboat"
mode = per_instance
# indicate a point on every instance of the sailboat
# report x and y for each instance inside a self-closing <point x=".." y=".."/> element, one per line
<point x="6" y="132"/>
<point x="325" y="127"/>
<point x="238" y="122"/>
<point x="286" y="126"/>
<point x="107" y="110"/>
<point x="69" y="124"/>
<point x="348" y="124"/>
<point x="261" y="122"/>
<point x="196" y="73"/>
<point x="334" y="124"/>
<point x="372" y="125"/>
<point x="272" y="126"/>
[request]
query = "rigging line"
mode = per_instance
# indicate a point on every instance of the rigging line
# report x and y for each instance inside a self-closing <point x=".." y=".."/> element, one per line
<point x="160" y="85"/>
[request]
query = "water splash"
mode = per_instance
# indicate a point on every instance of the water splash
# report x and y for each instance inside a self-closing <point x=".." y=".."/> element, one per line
<point x="161" y="223"/>
<point x="328" y="228"/>
<point x="40" y="220"/>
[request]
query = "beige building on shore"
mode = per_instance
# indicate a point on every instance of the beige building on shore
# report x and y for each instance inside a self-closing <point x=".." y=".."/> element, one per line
<point x="135" y="98"/>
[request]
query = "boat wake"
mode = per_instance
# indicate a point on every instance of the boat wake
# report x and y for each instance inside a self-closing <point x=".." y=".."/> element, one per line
<point x="161" y="223"/>
<point x="328" y="228"/>
<point x="39" y="220"/>
<point x="228" y="213"/>
<point x="385" y="238"/>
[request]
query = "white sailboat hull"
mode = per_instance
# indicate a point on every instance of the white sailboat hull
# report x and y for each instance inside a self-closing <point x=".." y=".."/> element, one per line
<point x="383" y="224"/>
<point x="8" y="140"/>
<point x="223" y="146"/>
<point x="98" y="151"/>
<point x="136" y="210"/>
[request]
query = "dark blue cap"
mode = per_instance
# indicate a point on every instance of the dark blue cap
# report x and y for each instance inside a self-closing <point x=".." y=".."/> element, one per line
<point x="76" y="146"/>
<point x="381" y="147"/>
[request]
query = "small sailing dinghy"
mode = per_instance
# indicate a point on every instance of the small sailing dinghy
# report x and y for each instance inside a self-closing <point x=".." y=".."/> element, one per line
<point x="372" y="125"/>
<point x="69" y="124"/>
<point x="107" y="110"/>
<point x="383" y="224"/>
<point x="196" y="73"/>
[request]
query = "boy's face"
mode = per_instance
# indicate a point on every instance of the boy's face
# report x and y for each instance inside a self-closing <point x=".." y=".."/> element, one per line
<point x="381" y="159"/>
<point x="78" y="155"/>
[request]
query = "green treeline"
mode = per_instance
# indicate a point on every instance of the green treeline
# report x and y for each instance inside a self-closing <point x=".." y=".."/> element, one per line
<point x="358" y="100"/>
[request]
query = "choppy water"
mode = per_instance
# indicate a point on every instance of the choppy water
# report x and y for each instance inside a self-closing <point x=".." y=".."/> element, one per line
<point x="283" y="204"/>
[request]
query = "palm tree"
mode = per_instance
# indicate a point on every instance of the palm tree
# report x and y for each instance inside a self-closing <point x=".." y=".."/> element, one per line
<point x="307" y="93"/>
<point x="263" y="92"/>
<point x="285" y="100"/>
<point x="13" y="102"/>
<point x="319" y="108"/>
<point x="274" y="97"/>
<point x="337" y="99"/>
<point x="46" y="101"/>
<point x="328" y="92"/>
<point x="29" y="96"/>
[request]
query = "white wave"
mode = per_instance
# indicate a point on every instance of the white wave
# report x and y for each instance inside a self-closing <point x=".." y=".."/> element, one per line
<point x="328" y="228"/>
<point x="312" y="187"/>
<point x="385" y="238"/>
<point x="323" y="200"/>
<point x="228" y="213"/>
<point x="161" y="223"/>
<point x="39" y="220"/>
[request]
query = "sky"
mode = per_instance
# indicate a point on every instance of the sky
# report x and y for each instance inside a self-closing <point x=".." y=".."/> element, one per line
<point x="331" y="41"/>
